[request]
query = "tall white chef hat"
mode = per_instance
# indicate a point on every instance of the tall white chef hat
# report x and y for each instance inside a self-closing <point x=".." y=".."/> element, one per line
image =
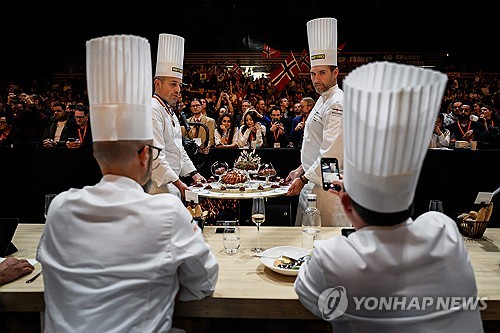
<point x="389" y="114"/>
<point x="119" y="88"/>
<point x="170" y="56"/>
<point x="322" y="38"/>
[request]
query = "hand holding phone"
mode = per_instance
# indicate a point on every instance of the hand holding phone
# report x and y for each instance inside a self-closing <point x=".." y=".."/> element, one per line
<point x="329" y="172"/>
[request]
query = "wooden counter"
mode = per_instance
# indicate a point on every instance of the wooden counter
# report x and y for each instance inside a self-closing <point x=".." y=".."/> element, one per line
<point x="246" y="288"/>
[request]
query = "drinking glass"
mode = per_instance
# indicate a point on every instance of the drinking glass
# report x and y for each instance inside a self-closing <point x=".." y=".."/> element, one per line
<point x="48" y="199"/>
<point x="436" y="205"/>
<point x="218" y="169"/>
<point x="267" y="170"/>
<point x="258" y="217"/>
<point x="231" y="239"/>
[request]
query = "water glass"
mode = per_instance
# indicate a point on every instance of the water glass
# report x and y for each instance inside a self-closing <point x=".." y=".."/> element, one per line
<point x="231" y="239"/>
<point x="436" y="205"/>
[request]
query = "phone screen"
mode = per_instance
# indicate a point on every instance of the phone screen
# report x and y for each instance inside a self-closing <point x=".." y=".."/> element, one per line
<point x="329" y="172"/>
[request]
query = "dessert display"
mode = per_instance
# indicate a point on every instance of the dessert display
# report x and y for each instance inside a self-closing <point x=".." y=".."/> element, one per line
<point x="234" y="177"/>
<point x="248" y="161"/>
<point x="267" y="171"/>
<point x="208" y="187"/>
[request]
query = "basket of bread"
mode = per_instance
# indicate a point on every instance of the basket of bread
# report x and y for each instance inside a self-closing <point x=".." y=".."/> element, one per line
<point x="473" y="224"/>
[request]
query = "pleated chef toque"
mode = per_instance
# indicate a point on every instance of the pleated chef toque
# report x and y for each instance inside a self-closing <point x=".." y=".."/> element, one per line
<point x="389" y="114"/>
<point x="322" y="38"/>
<point x="119" y="84"/>
<point x="170" y="56"/>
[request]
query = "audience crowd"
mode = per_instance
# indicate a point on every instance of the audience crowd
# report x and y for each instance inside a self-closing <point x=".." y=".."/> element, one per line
<point x="240" y="110"/>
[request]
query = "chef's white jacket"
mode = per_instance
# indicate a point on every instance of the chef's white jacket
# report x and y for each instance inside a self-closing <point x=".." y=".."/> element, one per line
<point x="421" y="258"/>
<point x="114" y="259"/>
<point x="323" y="137"/>
<point x="173" y="160"/>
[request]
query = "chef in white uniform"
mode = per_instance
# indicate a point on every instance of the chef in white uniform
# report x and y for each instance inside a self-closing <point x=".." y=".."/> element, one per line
<point x="114" y="257"/>
<point x="173" y="161"/>
<point x="323" y="127"/>
<point x="389" y="116"/>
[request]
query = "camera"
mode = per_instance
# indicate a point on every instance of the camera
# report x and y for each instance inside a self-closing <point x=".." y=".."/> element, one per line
<point x="275" y="121"/>
<point x="329" y="171"/>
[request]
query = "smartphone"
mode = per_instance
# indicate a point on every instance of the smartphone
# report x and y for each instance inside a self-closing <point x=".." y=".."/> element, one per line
<point x="329" y="171"/>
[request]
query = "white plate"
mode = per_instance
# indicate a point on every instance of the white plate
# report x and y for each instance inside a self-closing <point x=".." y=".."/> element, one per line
<point x="268" y="257"/>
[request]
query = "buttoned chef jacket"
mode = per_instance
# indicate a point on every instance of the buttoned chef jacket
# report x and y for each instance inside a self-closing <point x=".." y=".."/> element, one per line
<point x="167" y="135"/>
<point x="323" y="137"/>
<point x="114" y="258"/>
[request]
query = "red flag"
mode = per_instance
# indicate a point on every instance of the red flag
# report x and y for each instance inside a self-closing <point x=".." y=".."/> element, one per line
<point x="237" y="70"/>
<point x="284" y="72"/>
<point x="304" y="62"/>
<point x="269" y="52"/>
<point x="341" y="46"/>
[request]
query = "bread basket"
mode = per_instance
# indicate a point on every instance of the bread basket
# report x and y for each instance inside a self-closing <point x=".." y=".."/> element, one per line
<point x="473" y="224"/>
<point x="472" y="228"/>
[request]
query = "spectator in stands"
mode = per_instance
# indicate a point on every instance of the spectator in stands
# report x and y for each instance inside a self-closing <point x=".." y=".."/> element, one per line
<point x="5" y="130"/>
<point x="252" y="132"/>
<point x="487" y="117"/>
<point x="284" y="105"/>
<point x="440" y="135"/>
<point x="245" y="105"/>
<point x="206" y="109"/>
<point x="463" y="129"/>
<point x="453" y="116"/>
<point x="83" y="133"/>
<point x="198" y="132"/>
<point x="226" y="133"/>
<point x="225" y="101"/>
<point x="60" y="129"/>
<point x="29" y="122"/>
<point x="277" y="134"/>
<point x="298" y="123"/>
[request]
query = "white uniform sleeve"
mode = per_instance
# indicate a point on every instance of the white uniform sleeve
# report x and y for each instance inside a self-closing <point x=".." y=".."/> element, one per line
<point x="198" y="270"/>
<point x="163" y="173"/>
<point x="310" y="283"/>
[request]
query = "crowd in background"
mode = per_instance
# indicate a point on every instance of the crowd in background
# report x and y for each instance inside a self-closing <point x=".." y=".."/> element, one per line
<point x="246" y="111"/>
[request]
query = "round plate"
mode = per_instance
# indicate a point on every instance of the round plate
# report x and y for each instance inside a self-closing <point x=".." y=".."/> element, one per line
<point x="268" y="257"/>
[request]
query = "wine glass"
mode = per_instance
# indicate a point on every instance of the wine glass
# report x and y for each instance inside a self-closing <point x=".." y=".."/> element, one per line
<point x="258" y="217"/>
<point x="267" y="170"/>
<point x="48" y="199"/>
<point x="218" y="169"/>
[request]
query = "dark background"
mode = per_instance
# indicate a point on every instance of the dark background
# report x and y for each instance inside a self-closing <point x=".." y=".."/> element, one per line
<point x="39" y="39"/>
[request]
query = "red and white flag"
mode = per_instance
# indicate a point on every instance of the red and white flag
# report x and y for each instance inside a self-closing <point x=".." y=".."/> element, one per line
<point x="285" y="72"/>
<point x="341" y="46"/>
<point x="237" y="70"/>
<point x="269" y="52"/>
<point x="304" y="62"/>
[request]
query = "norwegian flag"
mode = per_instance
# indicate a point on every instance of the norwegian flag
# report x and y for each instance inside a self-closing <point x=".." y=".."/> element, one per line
<point x="284" y="72"/>
<point x="304" y="62"/>
<point x="237" y="70"/>
<point x="341" y="47"/>
<point x="269" y="52"/>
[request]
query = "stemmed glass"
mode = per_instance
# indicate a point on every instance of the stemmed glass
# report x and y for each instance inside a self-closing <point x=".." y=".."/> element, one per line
<point x="48" y="199"/>
<point x="258" y="217"/>
<point x="218" y="169"/>
<point x="267" y="170"/>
